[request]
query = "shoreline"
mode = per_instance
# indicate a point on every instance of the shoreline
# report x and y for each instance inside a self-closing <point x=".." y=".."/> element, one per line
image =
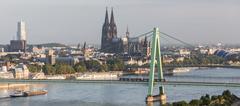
<point x="10" y="85"/>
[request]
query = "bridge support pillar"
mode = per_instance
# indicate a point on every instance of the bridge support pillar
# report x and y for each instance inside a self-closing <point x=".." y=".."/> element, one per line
<point x="155" y="60"/>
<point x="161" y="97"/>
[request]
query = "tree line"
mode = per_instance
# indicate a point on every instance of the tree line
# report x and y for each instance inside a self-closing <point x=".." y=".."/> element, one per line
<point x="113" y="64"/>
<point x="226" y="99"/>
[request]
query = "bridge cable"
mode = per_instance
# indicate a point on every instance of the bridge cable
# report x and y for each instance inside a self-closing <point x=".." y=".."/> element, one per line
<point x="142" y="35"/>
<point x="177" y="39"/>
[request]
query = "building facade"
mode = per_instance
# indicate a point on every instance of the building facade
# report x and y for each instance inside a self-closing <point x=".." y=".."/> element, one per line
<point x="18" y="46"/>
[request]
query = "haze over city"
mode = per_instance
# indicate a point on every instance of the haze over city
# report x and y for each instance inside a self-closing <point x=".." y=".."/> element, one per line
<point x="76" y="21"/>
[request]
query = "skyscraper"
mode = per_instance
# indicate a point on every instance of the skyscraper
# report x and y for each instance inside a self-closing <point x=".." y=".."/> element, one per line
<point x="19" y="45"/>
<point x="21" y="31"/>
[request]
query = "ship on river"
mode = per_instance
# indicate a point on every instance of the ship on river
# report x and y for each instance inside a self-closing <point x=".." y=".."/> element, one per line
<point x="19" y="93"/>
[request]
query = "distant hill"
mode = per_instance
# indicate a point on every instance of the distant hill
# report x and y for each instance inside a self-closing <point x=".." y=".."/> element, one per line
<point x="52" y="45"/>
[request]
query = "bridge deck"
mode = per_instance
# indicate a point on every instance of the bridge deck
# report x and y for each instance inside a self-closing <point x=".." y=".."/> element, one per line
<point x="124" y="82"/>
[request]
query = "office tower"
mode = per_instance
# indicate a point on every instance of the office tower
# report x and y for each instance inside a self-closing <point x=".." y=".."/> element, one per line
<point x="21" y="31"/>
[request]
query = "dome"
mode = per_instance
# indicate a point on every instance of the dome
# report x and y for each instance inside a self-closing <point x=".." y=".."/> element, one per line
<point x="221" y="53"/>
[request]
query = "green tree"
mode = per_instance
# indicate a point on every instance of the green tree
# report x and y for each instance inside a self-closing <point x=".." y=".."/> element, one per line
<point x="93" y="65"/>
<point x="180" y="103"/>
<point x="49" y="69"/>
<point x="64" y="69"/>
<point x="34" y="68"/>
<point x="115" y="64"/>
<point x="195" y="102"/>
<point x="205" y="100"/>
<point x="80" y="67"/>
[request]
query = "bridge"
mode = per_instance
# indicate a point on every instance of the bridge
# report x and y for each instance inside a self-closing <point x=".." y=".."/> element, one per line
<point x="126" y="81"/>
<point x="156" y="59"/>
<point x="189" y="65"/>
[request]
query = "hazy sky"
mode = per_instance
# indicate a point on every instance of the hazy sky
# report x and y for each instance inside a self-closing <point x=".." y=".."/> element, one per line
<point x="76" y="21"/>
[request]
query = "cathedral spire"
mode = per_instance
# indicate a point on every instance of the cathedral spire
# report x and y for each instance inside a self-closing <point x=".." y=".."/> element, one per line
<point x="113" y="27"/>
<point x="127" y="32"/>
<point x="112" y="22"/>
<point x="106" y="17"/>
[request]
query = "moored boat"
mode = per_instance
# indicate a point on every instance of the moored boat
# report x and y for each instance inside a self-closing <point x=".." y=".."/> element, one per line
<point x="19" y="93"/>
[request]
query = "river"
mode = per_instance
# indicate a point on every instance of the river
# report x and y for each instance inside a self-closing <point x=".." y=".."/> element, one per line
<point x="99" y="94"/>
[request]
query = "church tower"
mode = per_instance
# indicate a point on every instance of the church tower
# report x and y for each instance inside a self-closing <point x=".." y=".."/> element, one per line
<point x="105" y="31"/>
<point x="110" y="42"/>
<point x="113" y="27"/>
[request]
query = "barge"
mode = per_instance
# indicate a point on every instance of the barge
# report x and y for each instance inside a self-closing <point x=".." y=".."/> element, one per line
<point x="19" y="93"/>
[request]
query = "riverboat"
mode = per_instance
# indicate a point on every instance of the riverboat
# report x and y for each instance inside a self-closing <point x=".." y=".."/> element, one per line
<point x="19" y="93"/>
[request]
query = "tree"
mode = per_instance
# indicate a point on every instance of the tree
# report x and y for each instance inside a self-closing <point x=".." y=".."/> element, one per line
<point x="93" y="65"/>
<point x="80" y="67"/>
<point x="34" y="68"/>
<point x="49" y="69"/>
<point x="205" y="100"/>
<point x="180" y="103"/>
<point x="115" y="64"/>
<point x="64" y="69"/>
<point x="195" y="102"/>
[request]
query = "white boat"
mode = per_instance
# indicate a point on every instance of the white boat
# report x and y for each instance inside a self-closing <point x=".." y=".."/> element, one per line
<point x="181" y="70"/>
<point x="17" y="93"/>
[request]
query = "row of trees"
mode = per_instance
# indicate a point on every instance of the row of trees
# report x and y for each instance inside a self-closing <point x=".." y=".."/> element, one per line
<point x="84" y="66"/>
<point x="226" y="99"/>
<point x="201" y="59"/>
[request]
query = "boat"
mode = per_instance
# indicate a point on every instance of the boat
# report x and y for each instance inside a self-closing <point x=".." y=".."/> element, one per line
<point x="19" y="93"/>
<point x="35" y="93"/>
<point x="181" y="70"/>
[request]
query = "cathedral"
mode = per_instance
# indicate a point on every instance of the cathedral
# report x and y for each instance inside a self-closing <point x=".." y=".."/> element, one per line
<point x="111" y="43"/>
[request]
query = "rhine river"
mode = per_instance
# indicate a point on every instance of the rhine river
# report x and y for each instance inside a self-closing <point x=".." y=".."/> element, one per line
<point x="103" y="94"/>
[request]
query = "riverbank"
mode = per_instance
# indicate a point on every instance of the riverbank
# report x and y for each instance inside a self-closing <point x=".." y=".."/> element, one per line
<point x="112" y="75"/>
<point x="100" y="75"/>
<point x="225" y="99"/>
<point x="10" y="86"/>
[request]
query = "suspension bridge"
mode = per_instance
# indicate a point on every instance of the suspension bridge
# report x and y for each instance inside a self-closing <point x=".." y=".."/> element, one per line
<point x="156" y="59"/>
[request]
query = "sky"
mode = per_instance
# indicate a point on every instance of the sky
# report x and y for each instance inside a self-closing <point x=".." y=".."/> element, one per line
<point x="76" y="21"/>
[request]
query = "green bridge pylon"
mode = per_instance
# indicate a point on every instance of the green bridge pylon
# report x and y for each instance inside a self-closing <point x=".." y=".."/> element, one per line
<point x="155" y="55"/>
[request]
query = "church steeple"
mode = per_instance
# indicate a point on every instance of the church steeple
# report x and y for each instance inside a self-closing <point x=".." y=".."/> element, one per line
<point x="106" y="18"/>
<point x="112" y="22"/>
<point x="105" y="31"/>
<point x="127" y="32"/>
<point x="113" y="27"/>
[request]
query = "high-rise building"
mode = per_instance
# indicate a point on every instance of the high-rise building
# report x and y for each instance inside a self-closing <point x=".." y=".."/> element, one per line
<point x="21" y="31"/>
<point x="19" y="45"/>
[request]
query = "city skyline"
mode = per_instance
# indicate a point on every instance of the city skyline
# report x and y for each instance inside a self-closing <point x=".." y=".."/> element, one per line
<point x="78" y="21"/>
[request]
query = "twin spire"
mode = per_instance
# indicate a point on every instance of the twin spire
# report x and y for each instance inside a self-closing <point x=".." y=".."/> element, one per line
<point x="111" y="22"/>
<point x="110" y="27"/>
